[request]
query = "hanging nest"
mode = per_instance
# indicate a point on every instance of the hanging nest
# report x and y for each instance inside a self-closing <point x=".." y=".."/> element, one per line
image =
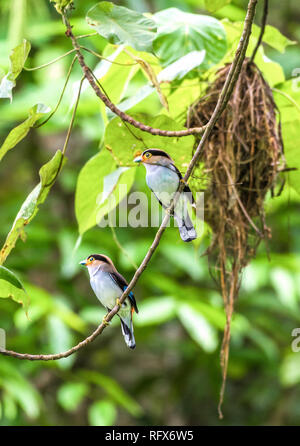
<point x="241" y="159"/>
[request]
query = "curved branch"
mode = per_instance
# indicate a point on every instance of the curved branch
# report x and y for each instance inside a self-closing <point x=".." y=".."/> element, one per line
<point x="221" y="104"/>
<point x="262" y="29"/>
<point x="145" y="128"/>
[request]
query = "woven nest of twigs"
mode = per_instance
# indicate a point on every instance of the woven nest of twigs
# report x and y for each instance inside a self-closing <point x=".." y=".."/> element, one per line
<point x="241" y="159"/>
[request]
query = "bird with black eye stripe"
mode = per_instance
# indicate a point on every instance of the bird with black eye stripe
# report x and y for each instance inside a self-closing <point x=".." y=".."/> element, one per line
<point x="108" y="285"/>
<point x="163" y="178"/>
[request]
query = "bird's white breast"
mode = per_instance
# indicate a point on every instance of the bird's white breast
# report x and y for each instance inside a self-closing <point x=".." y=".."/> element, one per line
<point x="163" y="181"/>
<point x="106" y="290"/>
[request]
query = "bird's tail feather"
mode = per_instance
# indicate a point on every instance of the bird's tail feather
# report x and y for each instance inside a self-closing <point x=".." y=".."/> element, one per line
<point x="128" y="333"/>
<point x="186" y="228"/>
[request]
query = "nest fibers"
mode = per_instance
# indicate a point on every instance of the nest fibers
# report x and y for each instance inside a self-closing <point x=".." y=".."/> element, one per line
<point x="241" y="158"/>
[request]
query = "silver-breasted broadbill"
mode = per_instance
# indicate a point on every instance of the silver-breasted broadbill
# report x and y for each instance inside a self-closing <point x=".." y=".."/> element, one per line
<point x="108" y="285"/>
<point x="163" y="178"/>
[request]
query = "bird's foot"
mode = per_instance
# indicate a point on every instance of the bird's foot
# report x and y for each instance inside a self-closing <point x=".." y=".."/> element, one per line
<point x="105" y="321"/>
<point x="118" y="302"/>
<point x="182" y="181"/>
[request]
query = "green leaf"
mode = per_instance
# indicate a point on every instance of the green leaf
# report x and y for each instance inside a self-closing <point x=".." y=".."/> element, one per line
<point x="214" y="5"/>
<point x="102" y="413"/>
<point x="11" y="287"/>
<point x="290" y="370"/>
<point x="19" y="132"/>
<point x="180" y="149"/>
<point x="30" y="207"/>
<point x="19" y="389"/>
<point x="273" y="37"/>
<point x="287" y="97"/>
<point x="198" y="327"/>
<point x="180" y="33"/>
<point x="71" y="394"/>
<point x="176" y="71"/>
<point x="114" y="390"/>
<point x="60" y="339"/>
<point x="272" y="71"/>
<point x="18" y="58"/>
<point x="120" y="25"/>
<point x="155" y="311"/>
<point x="100" y="187"/>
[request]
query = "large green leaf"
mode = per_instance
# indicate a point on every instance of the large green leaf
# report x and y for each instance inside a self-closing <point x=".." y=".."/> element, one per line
<point x="180" y="33"/>
<point x="272" y="71"/>
<point x="30" y="207"/>
<point x="156" y="310"/>
<point x="273" y="37"/>
<point x="71" y="394"/>
<point x="99" y="181"/>
<point x="176" y="71"/>
<point x="120" y="25"/>
<point x="19" y="132"/>
<point x="102" y="413"/>
<point x="287" y="97"/>
<point x="124" y="140"/>
<point x="17" y="57"/>
<point x="198" y="327"/>
<point x="11" y="287"/>
<point x="214" y="5"/>
<point x="114" y="391"/>
<point x="20" y="390"/>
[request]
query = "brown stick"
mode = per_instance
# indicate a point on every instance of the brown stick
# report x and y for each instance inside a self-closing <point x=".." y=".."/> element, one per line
<point x="223" y="100"/>
<point x="262" y="29"/>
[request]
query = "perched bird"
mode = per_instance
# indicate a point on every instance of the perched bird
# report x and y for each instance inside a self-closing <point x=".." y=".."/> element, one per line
<point x="108" y="285"/>
<point x="163" y="178"/>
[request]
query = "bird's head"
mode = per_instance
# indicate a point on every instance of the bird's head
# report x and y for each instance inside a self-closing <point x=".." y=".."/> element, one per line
<point x="94" y="261"/>
<point x="153" y="156"/>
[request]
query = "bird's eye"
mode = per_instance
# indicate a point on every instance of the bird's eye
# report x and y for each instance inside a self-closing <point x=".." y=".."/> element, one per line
<point x="148" y="155"/>
<point x="91" y="259"/>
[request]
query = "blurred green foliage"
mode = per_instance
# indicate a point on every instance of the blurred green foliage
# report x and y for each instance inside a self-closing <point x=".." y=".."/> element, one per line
<point x="173" y="376"/>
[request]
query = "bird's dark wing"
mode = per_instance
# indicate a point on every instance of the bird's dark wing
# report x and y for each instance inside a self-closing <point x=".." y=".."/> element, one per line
<point x="186" y="187"/>
<point x="121" y="282"/>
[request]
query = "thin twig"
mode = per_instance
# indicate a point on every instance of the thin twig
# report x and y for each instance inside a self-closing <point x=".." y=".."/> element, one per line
<point x="262" y="29"/>
<point x="129" y="64"/>
<point x="73" y="117"/>
<point x="223" y="99"/>
<point x="51" y="61"/>
<point x="61" y="96"/>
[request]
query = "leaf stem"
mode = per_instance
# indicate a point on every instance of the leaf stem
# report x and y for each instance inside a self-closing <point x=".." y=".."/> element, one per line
<point x="51" y="61"/>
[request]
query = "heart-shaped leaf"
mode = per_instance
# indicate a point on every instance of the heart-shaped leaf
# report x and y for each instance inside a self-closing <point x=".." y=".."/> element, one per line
<point x="180" y="33"/>
<point x="124" y="140"/>
<point x="99" y="180"/>
<point x="120" y="25"/>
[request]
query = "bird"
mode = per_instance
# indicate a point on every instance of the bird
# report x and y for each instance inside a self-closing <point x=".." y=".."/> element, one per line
<point x="163" y="178"/>
<point x="108" y="285"/>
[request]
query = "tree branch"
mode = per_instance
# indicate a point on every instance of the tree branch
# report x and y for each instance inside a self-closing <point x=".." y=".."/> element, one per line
<point x="146" y="128"/>
<point x="221" y="104"/>
<point x="262" y="29"/>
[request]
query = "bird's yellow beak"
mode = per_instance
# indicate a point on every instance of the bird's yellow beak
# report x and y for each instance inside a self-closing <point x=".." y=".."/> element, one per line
<point x="138" y="159"/>
<point x="83" y="262"/>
